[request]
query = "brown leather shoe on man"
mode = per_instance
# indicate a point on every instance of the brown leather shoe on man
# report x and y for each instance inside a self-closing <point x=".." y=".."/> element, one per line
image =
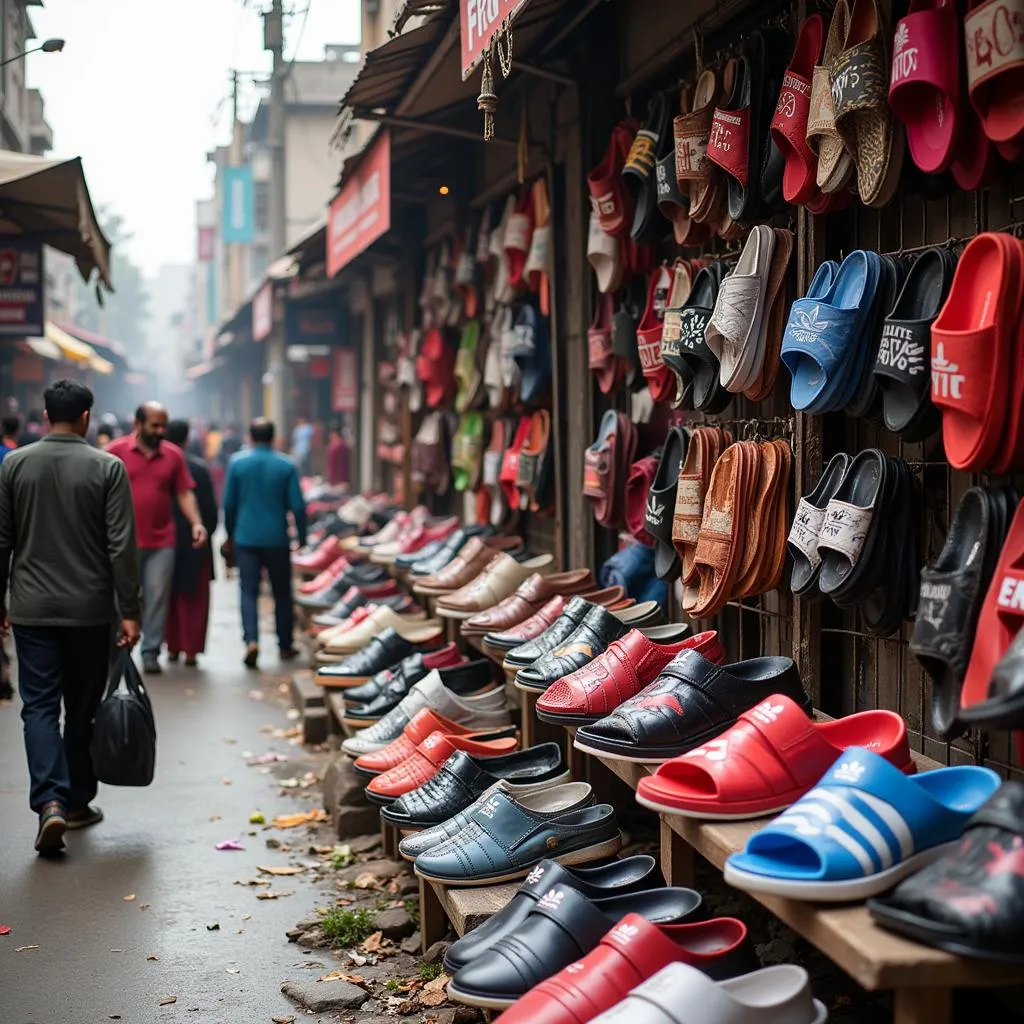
<point x="52" y="825"/>
<point x="84" y="817"/>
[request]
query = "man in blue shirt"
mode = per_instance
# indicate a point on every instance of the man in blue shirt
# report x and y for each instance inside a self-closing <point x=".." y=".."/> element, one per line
<point x="261" y="488"/>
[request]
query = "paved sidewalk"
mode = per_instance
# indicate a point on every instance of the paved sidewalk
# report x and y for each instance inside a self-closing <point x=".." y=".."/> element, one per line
<point x="87" y="960"/>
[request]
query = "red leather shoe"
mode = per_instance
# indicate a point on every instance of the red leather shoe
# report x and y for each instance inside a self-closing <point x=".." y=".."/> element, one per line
<point x="625" y="668"/>
<point x="318" y="560"/>
<point x="422" y="724"/>
<point x="422" y="765"/>
<point x="633" y="951"/>
<point x="325" y="578"/>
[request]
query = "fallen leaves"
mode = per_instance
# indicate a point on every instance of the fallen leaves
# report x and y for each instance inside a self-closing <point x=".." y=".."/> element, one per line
<point x="169" y="1001"/>
<point x="282" y="1020"/>
<point x="374" y="943"/>
<point x="129" y="898"/>
<point x="271" y="895"/>
<point x="352" y="979"/>
<point x="229" y="844"/>
<point x="284" y="869"/>
<point x="300" y="818"/>
<point x="367" y="880"/>
<point x="152" y="956"/>
<point x="24" y="949"/>
<point x="254" y="882"/>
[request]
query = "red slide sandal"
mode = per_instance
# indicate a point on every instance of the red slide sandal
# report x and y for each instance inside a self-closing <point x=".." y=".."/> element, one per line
<point x="768" y="760"/>
<point x="1009" y="457"/>
<point x="924" y="91"/>
<point x="995" y="66"/>
<point x="972" y="342"/>
<point x="1002" y="614"/>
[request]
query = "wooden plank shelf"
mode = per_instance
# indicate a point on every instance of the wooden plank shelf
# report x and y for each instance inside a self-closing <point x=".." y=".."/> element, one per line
<point x="462" y="907"/>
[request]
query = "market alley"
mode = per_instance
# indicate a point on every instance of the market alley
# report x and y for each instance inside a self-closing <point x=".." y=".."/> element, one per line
<point x="143" y="909"/>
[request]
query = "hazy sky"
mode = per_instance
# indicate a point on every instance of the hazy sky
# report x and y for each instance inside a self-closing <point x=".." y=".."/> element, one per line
<point x="141" y="94"/>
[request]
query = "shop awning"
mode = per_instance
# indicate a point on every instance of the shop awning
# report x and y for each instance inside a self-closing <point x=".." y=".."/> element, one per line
<point x="43" y="348"/>
<point x="77" y="351"/>
<point x="49" y="199"/>
<point x="114" y="348"/>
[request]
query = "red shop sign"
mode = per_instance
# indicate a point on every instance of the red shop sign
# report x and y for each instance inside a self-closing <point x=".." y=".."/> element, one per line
<point x="263" y="312"/>
<point x="205" y="245"/>
<point x="344" y="384"/>
<point x="480" y="20"/>
<point x="361" y="211"/>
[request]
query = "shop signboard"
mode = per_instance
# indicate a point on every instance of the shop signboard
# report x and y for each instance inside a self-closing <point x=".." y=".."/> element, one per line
<point x="21" y="287"/>
<point x="480" y="20"/>
<point x="313" y="321"/>
<point x="361" y="211"/>
<point x="344" y="383"/>
<point x="204" y="246"/>
<point x="263" y="312"/>
<point x="239" y="226"/>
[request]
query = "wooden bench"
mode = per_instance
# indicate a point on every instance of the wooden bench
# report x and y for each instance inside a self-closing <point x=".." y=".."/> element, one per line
<point x="462" y="907"/>
<point x="308" y="699"/>
<point x="921" y="978"/>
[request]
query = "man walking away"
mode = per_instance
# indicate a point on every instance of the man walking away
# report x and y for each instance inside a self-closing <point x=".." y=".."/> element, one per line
<point x="189" y="611"/>
<point x="159" y="478"/>
<point x="67" y="547"/>
<point x="262" y="487"/>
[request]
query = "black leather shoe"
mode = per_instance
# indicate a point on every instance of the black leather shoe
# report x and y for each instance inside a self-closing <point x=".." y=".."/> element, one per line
<point x="462" y="778"/>
<point x="382" y="652"/>
<point x="558" y="632"/>
<point x="408" y="560"/>
<point x="428" y="565"/>
<point x="399" y="679"/>
<point x="692" y="701"/>
<point x="562" y="927"/>
<point x="618" y="878"/>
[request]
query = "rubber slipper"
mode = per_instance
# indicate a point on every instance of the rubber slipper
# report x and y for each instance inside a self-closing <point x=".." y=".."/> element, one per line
<point x="995" y="67"/>
<point x="970" y="901"/>
<point x="825" y="327"/>
<point x="518" y="234"/>
<point x="735" y="140"/>
<point x="601" y="359"/>
<point x="859" y="77"/>
<point x="1003" y="707"/>
<point x="977" y="162"/>
<point x="694" y="478"/>
<point x="609" y="196"/>
<point x="902" y="368"/>
<point x="805" y="534"/>
<point x="773" y="557"/>
<point x="972" y="340"/>
<point x="865" y="398"/>
<point x="659" y="512"/>
<point x="777" y="302"/>
<point x="789" y="124"/>
<point x="639" y="171"/>
<point x="735" y="333"/>
<point x="679" y="994"/>
<point x="835" y="164"/>
<point x="706" y="186"/>
<point x="624" y="324"/>
<point x="951" y="598"/>
<point x="768" y="760"/>
<point x="535" y="473"/>
<point x="538" y="259"/>
<point x="604" y="254"/>
<point x="863" y="828"/>
<point x="509" y="472"/>
<point x="924" y="90"/>
<point x="673" y="191"/>
<point x="695" y="360"/>
<point x="1009" y="455"/>
<point x="599" y="466"/>
<point x="852" y="530"/>
<point x="1001" y="617"/>
<point x="658" y="376"/>
<point x="759" y="543"/>
<point x="638" y="483"/>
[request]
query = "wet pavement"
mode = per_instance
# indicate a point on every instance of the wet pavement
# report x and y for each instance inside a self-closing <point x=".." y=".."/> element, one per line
<point x="79" y="950"/>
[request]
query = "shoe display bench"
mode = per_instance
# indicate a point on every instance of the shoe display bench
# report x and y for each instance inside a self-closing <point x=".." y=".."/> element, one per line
<point x="921" y="978"/>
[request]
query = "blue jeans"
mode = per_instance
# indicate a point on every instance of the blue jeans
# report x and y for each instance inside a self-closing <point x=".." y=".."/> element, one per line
<point x="58" y="664"/>
<point x="278" y="562"/>
<point x="156" y="567"/>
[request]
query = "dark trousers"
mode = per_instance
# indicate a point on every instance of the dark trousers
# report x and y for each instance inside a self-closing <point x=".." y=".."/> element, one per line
<point x="278" y="562"/>
<point x="56" y="664"/>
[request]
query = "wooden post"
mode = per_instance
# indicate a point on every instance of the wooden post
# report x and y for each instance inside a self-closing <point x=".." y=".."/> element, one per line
<point x="922" y="1006"/>
<point x="433" y="922"/>
<point x="678" y="861"/>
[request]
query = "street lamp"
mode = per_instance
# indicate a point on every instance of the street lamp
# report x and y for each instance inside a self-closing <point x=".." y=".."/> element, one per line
<point x="48" y="46"/>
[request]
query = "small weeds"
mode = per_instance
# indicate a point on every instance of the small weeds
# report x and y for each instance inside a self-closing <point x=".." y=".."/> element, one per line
<point x="347" y="927"/>
<point x="393" y="985"/>
<point x="428" y="972"/>
<point x="342" y="857"/>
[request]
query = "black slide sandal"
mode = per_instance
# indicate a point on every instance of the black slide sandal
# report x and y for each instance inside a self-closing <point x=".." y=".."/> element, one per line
<point x="661" y="504"/>
<point x="695" y="358"/>
<point x="772" y="47"/>
<point x="654" y="140"/>
<point x="806" y="529"/>
<point x="902" y="368"/>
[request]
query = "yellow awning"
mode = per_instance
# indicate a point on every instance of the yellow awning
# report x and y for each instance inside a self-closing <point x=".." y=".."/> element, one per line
<point x="77" y="351"/>
<point x="43" y="348"/>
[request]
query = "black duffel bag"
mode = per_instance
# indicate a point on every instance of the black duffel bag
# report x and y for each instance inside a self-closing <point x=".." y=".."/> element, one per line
<point x="124" y="731"/>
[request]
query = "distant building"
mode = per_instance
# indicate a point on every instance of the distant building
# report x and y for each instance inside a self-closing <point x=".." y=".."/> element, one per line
<point x="23" y="126"/>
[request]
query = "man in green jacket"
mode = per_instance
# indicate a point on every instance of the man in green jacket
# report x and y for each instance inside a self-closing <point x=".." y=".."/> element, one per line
<point x="67" y="548"/>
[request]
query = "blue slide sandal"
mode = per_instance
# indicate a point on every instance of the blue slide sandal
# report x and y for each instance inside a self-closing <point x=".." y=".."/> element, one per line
<point x="864" y="827"/>
<point x="824" y="331"/>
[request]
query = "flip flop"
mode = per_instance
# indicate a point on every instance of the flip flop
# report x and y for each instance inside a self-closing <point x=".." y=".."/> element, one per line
<point x="924" y="90"/>
<point x="776" y="309"/>
<point x="789" y="125"/>
<point x="1009" y="456"/>
<point x="768" y="760"/>
<point x="969" y="902"/>
<point x="680" y="994"/>
<point x="659" y="377"/>
<point x="972" y="339"/>
<point x="604" y="254"/>
<point x="640" y="169"/>
<point x="835" y="164"/>
<point x="863" y="828"/>
<point x="1001" y="617"/>
<point x="902" y="368"/>
<point x="609" y="196"/>
<point x="735" y="333"/>
<point x="860" y="78"/>
<point x="825" y="327"/>
<point x="606" y="367"/>
<point x="853" y="532"/>
<point x="695" y="360"/>
<point x="951" y="597"/>
<point x="995" y="67"/>
<point x="659" y="512"/>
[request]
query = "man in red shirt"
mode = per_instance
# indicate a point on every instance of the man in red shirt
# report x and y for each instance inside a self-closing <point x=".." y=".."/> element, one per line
<point x="159" y="475"/>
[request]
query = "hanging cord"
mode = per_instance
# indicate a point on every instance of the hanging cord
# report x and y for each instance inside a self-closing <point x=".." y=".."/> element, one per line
<point x="487" y="101"/>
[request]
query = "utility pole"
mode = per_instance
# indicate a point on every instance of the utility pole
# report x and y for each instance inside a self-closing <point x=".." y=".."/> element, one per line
<point x="276" y="376"/>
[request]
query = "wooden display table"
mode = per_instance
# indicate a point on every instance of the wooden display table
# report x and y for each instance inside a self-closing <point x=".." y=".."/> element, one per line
<point x="462" y="908"/>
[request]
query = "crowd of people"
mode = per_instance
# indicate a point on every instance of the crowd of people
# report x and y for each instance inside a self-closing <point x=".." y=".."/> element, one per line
<point x="105" y="542"/>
